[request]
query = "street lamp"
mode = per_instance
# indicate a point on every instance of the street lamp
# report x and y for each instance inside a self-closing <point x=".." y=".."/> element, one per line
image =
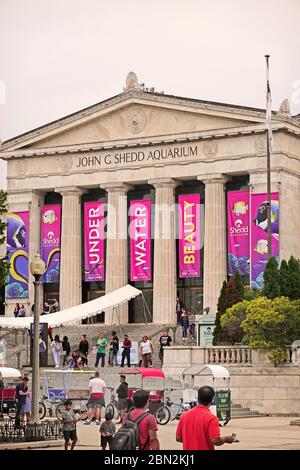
<point x="37" y="269"/>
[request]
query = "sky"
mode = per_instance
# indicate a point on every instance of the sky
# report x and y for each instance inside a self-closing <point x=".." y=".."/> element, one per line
<point x="59" y="56"/>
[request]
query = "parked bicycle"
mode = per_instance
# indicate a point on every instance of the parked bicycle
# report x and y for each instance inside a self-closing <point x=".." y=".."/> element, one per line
<point x="112" y="406"/>
<point x="171" y="410"/>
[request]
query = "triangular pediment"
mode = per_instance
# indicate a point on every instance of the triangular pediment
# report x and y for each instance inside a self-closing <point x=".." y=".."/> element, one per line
<point x="130" y="116"/>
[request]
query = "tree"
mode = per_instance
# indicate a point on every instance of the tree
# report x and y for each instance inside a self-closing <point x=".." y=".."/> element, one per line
<point x="271" y="279"/>
<point x="221" y="308"/>
<point x="234" y="290"/>
<point x="284" y="279"/>
<point x="4" y="265"/>
<point x="232" y="319"/>
<point x="294" y="278"/>
<point x="239" y="284"/>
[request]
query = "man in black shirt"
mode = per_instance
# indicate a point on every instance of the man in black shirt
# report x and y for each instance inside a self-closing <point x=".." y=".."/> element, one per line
<point x="164" y="340"/>
<point x="20" y="397"/>
<point x="113" y="350"/>
<point x="122" y="392"/>
<point x="84" y="346"/>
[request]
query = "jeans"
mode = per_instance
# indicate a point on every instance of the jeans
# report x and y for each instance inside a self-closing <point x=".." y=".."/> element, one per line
<point x="19" y="405"/>
<point x="98" y="356"/>
<point x="192" y="329"/>
<point x="147" y="359"/>
<point x="125" y="353"/>
<point x="113" y="360"/>
<point x="184" y="331"/>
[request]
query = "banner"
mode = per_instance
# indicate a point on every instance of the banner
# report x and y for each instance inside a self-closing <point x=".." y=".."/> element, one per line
<point x="238" y="219"/>
<point x="50" y="242"/>
<point x="189" y="235"/>
<point x="17" y="243"/>
<point x="259" y="235"/>
<point x="94" y="241"/>
<point x="140" y="240"/>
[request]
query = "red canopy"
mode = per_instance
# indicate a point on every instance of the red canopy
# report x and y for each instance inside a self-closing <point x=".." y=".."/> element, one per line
<point x="144" y="372"/>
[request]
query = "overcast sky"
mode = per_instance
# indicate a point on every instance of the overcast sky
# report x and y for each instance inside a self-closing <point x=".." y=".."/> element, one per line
<point x="59" y="56"/>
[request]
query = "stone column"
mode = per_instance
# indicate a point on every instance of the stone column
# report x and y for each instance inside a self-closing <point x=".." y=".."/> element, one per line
<point x="214" y="240"/>
<point x="70" y="287"/>
<point x="19" y="201"/>
<point x="116" y="270"/>
<point x="164" y="273"/>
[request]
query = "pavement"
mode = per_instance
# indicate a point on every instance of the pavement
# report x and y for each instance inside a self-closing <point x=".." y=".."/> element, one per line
<point x="263" y="433"/>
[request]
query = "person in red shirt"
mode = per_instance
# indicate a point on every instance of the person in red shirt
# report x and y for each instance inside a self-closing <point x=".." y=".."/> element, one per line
<point x="126" y="351"/>
<point x="198" y="428"/>
<point x="148" y="425"/>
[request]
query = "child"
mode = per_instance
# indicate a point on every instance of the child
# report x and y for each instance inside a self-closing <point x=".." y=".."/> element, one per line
<point x="69" y="425"/>
<point x="107" y="430"/>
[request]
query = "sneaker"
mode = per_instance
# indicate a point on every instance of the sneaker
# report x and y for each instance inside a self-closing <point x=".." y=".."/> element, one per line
<point x="98" y="422"/>
<point x="88" y="421"/>
<point x="56" y="367"/>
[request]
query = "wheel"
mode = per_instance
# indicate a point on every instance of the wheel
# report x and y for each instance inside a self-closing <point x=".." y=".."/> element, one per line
<point x="59" y="411"/>
<point x="113" y="410"/>
<point x="163" y="415"/>
<point x="223" y="423"/>
<point x="12" y="412"/>
<point x="42" y="410"/>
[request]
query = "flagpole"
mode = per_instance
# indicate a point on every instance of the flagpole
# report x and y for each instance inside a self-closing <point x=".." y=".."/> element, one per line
<point x="269" y="136"/>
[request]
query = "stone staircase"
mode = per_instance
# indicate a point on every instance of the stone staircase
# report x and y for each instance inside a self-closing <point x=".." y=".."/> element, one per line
<point x="237" y="411"/>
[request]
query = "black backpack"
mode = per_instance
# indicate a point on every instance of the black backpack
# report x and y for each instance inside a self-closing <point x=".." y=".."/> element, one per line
<point x="127" y="437"/>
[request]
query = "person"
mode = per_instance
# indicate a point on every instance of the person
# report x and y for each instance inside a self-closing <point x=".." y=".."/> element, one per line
<point x="102" y="345"/>
<point x="22" y="311"/>
<point x="50" y="333"/>
<point x="113" y="350"/>
<point x="66" y="349"/>
<point x="42" y="350"/>
<point x="179" y="307"/>
<point x="56" y="350"/>
<point x="192" y="324"/>
<point x="3" y="344"/>
<point x="69" y="419"/>
<point x="122" y="392"/>
<point x="73" y="361"/>
<point x="26" y="407"/>
<point x="96" y="399"/>
<point x="184" y="323"/>
<point x="198" y="428"/>
<point x="164" y="340"/>
<point x="146" y="350"/>
<point x="81" y="360"/>
<point x="107" y="430"/>
<point x="147" y="427"/>
<point x="126" y="351"/>
<point x="20" y="396"/>
<point x="46" y="309"/>
<point x="16" y="310"/>
<point x="84" y="346"/>
<point x="1" y="384"/>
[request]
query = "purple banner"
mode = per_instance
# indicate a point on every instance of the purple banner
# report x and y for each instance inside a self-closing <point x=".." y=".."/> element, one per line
<point x="50" y="242"/>
<point x="259" y="235"/>
<point x="189" y="235"/>
<point x="140" y="240"/>
<point x="238" y="232"/>
<point x="94" y="241"/>
<point x="17" y="241"/>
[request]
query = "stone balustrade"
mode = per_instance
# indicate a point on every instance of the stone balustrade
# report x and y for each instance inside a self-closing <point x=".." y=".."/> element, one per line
<point x="228" y="355"/>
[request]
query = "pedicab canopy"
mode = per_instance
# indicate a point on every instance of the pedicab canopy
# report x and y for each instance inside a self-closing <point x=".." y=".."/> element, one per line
<point x="218" y="372"/>
<point x="9" y="373"/>
<point x="89" y="309"/>
<point x="144" y="372"/>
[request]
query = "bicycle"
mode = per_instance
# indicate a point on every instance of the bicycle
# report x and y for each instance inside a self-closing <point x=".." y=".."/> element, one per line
<point x="113" y="407"/>
<point x="166" y="412"/>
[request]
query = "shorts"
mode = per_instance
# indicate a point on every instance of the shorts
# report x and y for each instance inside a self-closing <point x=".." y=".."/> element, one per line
<point x="106" y="440"/>
<point x="122" y="404"/>
<point x="70" y="435"/>
<point x="96" y="402"/>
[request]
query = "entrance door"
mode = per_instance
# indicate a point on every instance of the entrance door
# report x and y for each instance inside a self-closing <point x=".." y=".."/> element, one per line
<point x="91" y="295"/>
<point x="137" y="311"/>
<point x="192" y="298"/>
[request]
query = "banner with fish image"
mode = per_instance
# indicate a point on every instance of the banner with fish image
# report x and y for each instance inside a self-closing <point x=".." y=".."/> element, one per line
<point x="50" y="242"/>
<point x="140" y="240"/>
<point x="259" y="235"/>
<point x="93" y="241"/>
<point x="238" y="232"/>
<point x="189" y="235"/>
<point x="17" y="245"/>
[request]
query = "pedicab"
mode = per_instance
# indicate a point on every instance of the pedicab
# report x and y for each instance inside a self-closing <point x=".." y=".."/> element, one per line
<point x="71" y="384"/>
<point x="139" y="378"/>
<point x="9" y="378"/>
<point x="218" y="378"/>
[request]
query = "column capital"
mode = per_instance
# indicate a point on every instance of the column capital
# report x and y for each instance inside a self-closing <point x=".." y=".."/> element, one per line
<point x="70" y="191"/>
<point x="116" y="187"/>
<point x="164" y="182"/>
<point x="213" y="178"/>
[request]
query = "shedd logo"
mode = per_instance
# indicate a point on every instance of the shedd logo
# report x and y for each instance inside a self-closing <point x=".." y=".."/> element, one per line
<point x="238" y="229"/>
<point x="50" y="240"/>
<point x="238" y="223"/>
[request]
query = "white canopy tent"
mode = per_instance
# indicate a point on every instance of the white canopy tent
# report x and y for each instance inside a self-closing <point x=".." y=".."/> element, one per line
<point x="89" y="309"/>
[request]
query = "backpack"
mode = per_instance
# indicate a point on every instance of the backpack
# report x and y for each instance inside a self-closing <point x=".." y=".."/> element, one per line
<point x="127" y="437"/>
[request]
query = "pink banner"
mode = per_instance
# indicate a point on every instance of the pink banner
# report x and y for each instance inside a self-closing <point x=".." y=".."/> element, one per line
<point x="259" y="235"/>
<point x="94" y="241"/>
<point x="50" y="242"/>
<point x="140" y="240"/>
<point x="189" y="235"/>
<point x="238" y="232"/>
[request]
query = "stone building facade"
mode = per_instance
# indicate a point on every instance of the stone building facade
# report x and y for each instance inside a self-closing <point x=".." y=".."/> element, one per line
<point x="143" y="142"/>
